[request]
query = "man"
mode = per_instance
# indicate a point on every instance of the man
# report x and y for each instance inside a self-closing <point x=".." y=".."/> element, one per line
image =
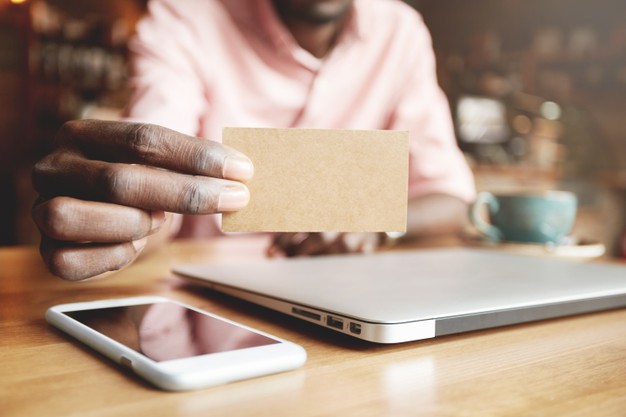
<point x="201" y="65"/>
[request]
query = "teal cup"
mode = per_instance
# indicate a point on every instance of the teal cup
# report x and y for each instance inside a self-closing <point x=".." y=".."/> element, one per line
<point x="546" y="217"/>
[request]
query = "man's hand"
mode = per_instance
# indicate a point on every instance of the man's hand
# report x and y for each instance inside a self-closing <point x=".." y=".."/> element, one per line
<point x="429" y="216"/>
<point x="106" y="185"/>
<point x="327" y="243"/>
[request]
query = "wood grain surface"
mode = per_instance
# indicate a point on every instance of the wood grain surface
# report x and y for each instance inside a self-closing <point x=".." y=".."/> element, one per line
<point x="566" y="367"/>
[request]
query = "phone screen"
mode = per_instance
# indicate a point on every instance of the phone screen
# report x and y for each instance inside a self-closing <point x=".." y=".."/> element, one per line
<point x="165" y="331"/>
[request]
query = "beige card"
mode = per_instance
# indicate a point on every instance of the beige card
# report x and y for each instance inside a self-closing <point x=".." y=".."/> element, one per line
<point x="317" y="180"/>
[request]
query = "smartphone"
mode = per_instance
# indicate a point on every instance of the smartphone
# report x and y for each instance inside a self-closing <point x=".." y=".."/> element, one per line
<point x="172" y="345"/>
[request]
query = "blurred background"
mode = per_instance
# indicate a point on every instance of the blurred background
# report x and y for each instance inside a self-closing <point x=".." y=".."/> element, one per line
<point x="537" y="89"/>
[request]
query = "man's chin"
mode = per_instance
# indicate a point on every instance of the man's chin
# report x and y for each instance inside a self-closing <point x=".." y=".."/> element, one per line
<point x="316" y="12"/>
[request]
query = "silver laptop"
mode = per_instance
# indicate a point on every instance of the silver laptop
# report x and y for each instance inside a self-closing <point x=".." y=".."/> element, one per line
<point x="396" y="297"/>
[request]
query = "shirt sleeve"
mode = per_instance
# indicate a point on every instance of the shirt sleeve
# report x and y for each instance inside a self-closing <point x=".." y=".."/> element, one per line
<point x="166" y="86"/>
<point x="436" y="164"/>
<point x="165" y="83"/>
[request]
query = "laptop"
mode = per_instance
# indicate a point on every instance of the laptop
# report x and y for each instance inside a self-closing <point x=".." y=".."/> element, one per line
<point x="394" y="297"/>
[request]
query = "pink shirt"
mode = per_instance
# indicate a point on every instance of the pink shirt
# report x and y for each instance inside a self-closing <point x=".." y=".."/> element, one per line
<point x="201" y="65"/>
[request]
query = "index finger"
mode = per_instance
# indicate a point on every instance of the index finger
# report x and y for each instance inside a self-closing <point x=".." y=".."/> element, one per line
<point x="157" y="146"/>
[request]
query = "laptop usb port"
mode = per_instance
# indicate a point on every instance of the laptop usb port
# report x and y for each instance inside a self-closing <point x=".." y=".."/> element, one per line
<point x="355" y="328"/>
<point x="334" y="322"/>
<point x="305" y="313"/>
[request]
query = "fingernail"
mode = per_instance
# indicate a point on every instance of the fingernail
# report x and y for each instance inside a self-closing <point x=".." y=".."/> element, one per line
<point x="238" y="168"/>
<point x="233" y="197"/>
<point x="157" y="220"/>
<point x="368" y="247"/>
<point x="140" y="244"/>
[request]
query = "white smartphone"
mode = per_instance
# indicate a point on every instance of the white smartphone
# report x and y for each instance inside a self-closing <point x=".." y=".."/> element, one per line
<point x="175" y="346"/>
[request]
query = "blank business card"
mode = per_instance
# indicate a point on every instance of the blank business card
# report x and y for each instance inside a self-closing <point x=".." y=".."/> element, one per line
<point x="321" y="180"/>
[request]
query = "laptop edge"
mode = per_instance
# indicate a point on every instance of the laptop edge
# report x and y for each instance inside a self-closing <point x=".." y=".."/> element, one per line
<point x="388" y="333"/>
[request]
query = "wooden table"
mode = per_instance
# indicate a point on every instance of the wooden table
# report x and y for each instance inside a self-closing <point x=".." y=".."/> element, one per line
<point x="567" y="367"/>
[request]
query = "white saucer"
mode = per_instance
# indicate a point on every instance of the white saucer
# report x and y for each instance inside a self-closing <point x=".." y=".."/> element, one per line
<point x="577" y="249"/>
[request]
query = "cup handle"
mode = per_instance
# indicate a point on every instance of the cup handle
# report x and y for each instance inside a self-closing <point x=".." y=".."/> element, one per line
<point x="483" y="227"/>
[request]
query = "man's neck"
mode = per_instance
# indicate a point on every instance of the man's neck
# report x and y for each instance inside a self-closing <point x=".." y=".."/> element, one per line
<point x="317" y="37"/>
